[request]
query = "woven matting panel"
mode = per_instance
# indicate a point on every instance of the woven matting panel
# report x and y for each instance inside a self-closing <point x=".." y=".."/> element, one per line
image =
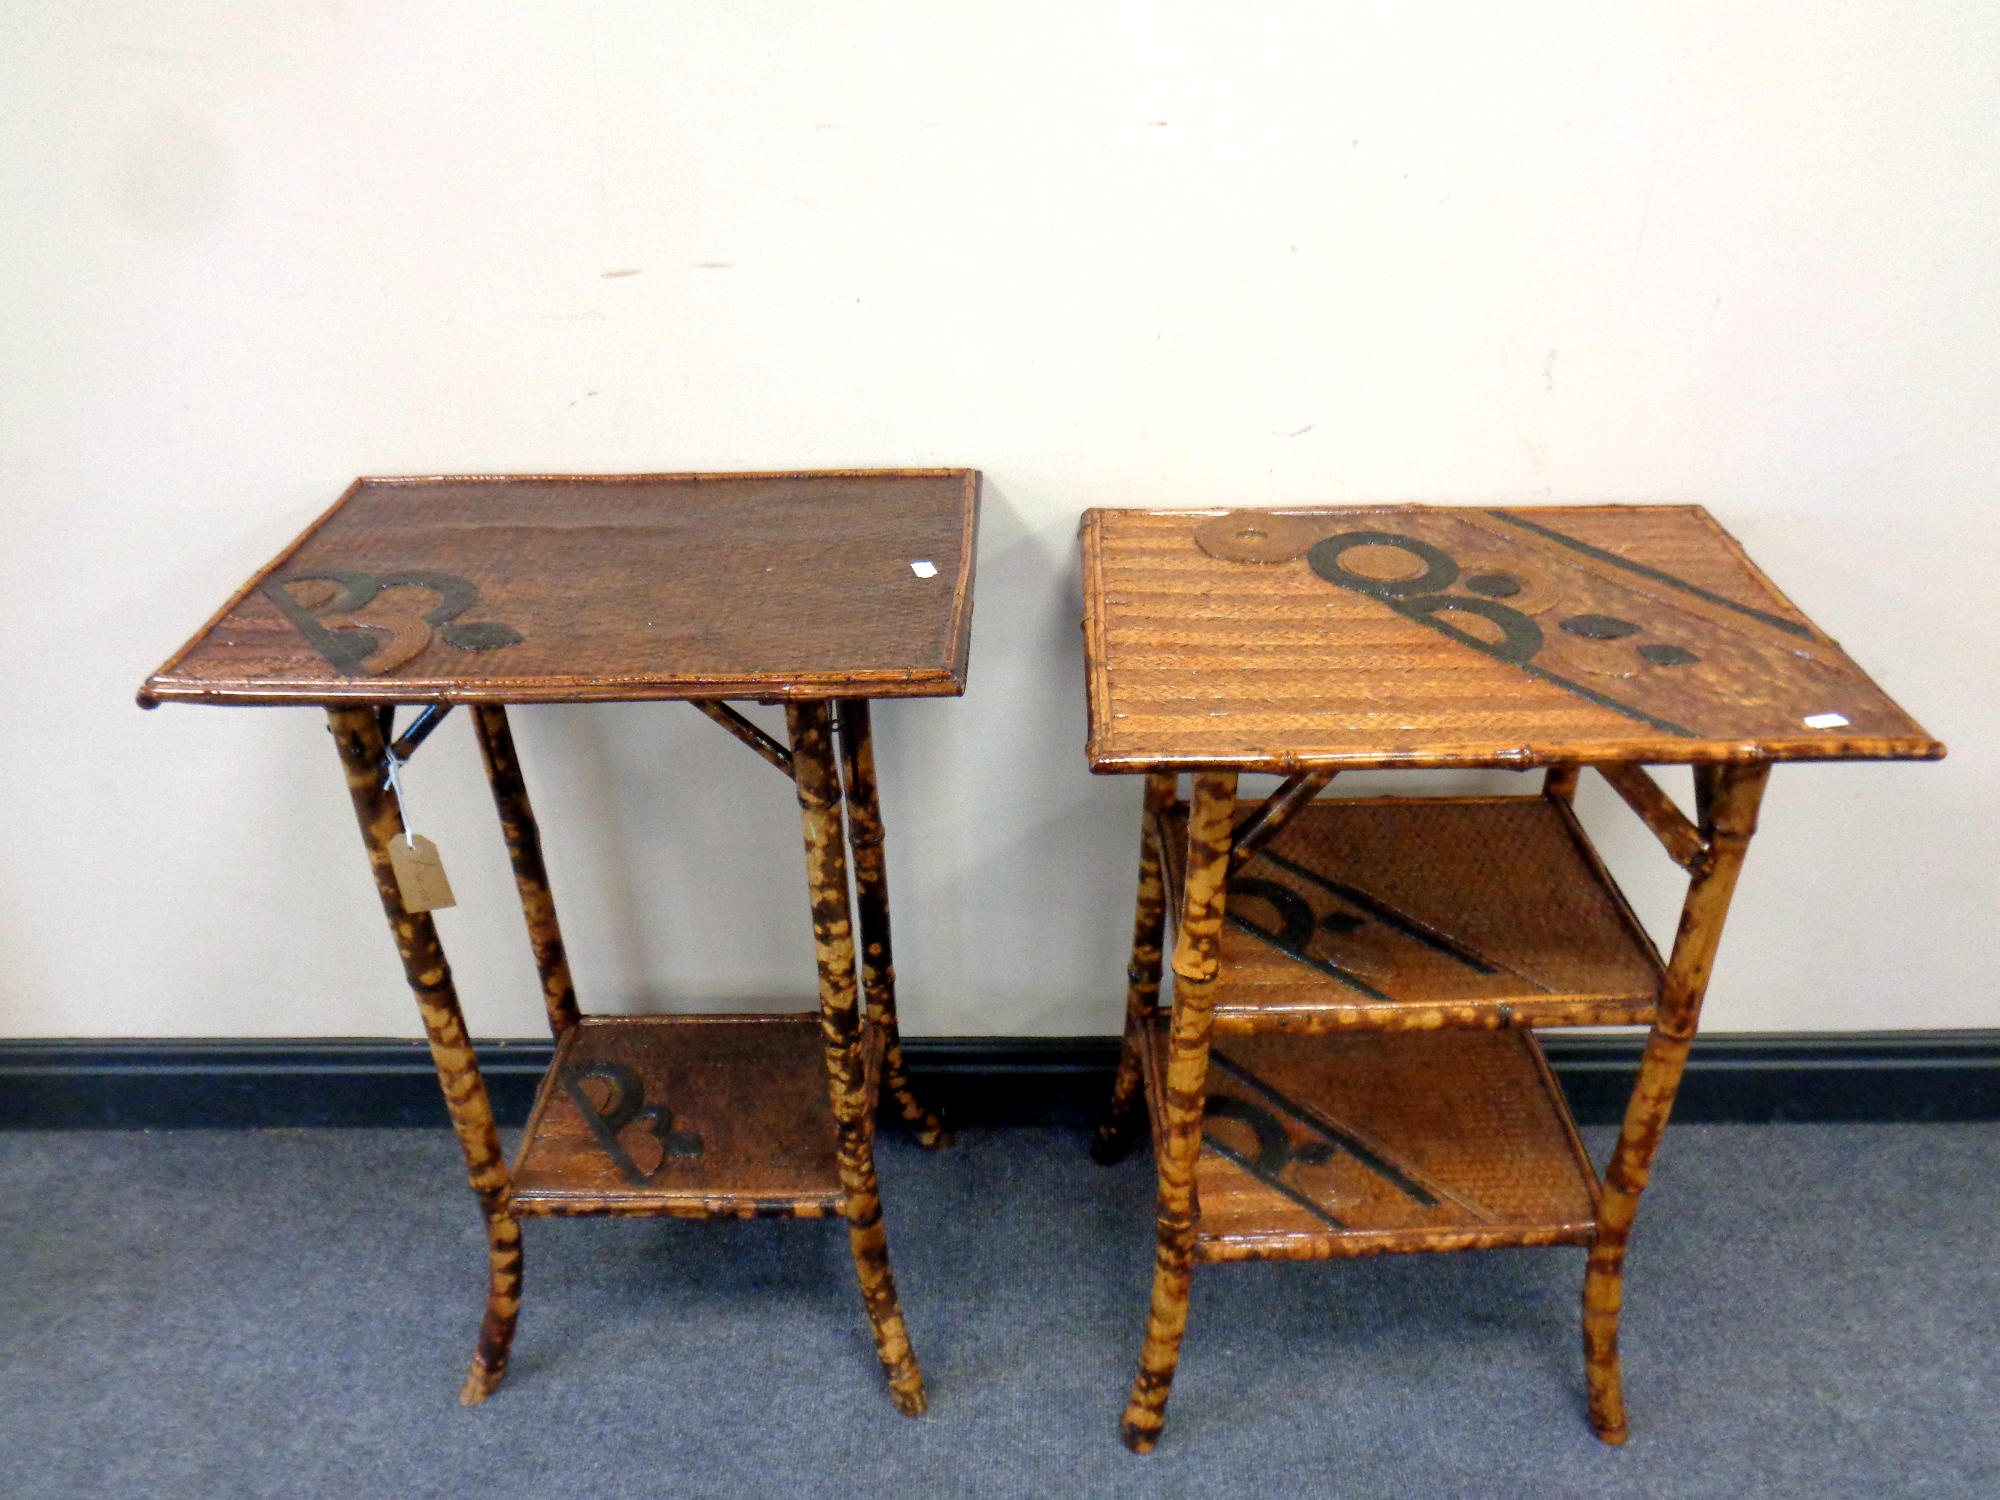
<point x="1386" y="1141"/>
<point x="552" y="588"/>
<point x="691" y="1116"/>
<point x="1420" y="635"/>
<point x="1425" y="912"/>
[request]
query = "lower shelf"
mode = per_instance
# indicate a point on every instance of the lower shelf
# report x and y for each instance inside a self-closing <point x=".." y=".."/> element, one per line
<point x="1367" y="1143"/>
<point x="683" y="1116"/>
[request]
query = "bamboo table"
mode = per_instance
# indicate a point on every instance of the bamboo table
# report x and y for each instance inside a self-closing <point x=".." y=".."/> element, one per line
<point x="1348" y="1066"/>
<point x="821" y="591"/>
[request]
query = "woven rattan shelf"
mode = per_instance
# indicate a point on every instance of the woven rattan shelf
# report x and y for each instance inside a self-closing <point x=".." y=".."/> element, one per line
<point x="1346" y="1067"/>
<point x="1415" y="913"/>
<point x="1374" y="1142"/>
<point x="749" y="1133"/>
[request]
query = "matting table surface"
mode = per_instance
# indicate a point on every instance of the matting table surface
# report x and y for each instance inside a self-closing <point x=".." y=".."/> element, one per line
<point x="1439" y="635"/>
<point x="568" y="588"/>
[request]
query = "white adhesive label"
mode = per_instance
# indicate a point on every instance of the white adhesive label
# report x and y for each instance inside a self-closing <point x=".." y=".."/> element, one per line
<point x="1826" y="721"/>
<point x="923" y="567"/>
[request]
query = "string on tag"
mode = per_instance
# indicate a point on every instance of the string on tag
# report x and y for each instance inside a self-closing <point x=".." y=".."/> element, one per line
<point x="394" y="769"/>
<point x="420" y="879"/>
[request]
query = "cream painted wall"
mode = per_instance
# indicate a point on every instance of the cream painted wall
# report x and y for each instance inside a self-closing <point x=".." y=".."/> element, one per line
<point x="1740" y="253"/>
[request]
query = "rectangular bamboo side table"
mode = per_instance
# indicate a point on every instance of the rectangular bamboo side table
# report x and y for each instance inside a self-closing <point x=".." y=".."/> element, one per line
<point x="821" y="591"/>
<point x="1348" y="1066"/>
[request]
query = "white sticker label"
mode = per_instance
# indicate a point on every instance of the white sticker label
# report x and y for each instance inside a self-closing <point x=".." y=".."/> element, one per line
<point x="1826" y="721"/>
<point x="923" y="567"/>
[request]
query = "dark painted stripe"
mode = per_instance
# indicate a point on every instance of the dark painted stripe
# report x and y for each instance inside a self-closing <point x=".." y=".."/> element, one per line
<point x="1402" y="921"/>
<point x="1603" y="700"/>
<point x="1408" y="1186"/>
<point x="1658" y="575"/>
<point x="1230" y="1153"/>
<point x="1498" y="653"/>
<point x="1331" y="970"/>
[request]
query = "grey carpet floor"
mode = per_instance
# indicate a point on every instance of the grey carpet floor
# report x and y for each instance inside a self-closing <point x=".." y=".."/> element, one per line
<point x="1811" y="1311"/>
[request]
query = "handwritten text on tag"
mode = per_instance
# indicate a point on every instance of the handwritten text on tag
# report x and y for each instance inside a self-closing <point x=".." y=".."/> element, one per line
<point x="420" y="876"/>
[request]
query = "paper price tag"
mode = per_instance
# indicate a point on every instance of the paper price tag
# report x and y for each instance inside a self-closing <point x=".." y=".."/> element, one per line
<point x="420" y="877"/>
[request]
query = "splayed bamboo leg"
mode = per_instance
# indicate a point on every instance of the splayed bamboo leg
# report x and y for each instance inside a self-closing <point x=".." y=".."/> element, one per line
<point x="871" y="888"/>
<point x="1126" y="1109"/>
<point x="1196" y="963"/>
<point x="818" y="782"/>
<point x="1559" y="783"/>
<point x="531" y="876"/>
<point x="358" y="734"/>
<point x="1727" y="797"/>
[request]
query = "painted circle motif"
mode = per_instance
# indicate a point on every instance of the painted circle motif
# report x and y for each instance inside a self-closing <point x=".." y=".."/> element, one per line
<point x="1661" y="654"/>
<point x="1377" y="570"/>
<point x="1506" y="580"/>
<point x="1506" y="633"/>
<point x="1366" y="950"/>
<point x="1255" y="536"/>
<point x="1600" y="627"/>
<point x="1598" y="658"/>
<point x="481" y="635"/>
<point x="1383" y="563"/>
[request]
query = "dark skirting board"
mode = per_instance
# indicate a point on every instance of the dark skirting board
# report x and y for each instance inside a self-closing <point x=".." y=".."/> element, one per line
<point x="167" y="1084"/>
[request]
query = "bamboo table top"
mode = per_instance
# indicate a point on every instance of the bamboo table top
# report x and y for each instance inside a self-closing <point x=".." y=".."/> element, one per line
<point x="1410" y="635"/>
<point x="568" y="588"/>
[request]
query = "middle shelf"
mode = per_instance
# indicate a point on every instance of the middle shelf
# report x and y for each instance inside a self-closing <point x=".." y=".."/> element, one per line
<point x="1394" y="913"/>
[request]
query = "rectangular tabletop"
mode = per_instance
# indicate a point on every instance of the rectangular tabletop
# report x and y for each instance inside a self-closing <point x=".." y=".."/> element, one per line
<point x="1413" y="635"/>
<point x="563" y="588"/>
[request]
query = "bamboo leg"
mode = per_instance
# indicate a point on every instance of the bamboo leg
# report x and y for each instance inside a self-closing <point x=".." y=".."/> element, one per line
<point x="1195" y="968"/>
<point x="1728" y="799"/>
<point x="531" y="876"/>
<point x="358" y="734"/>
<point x="818" y="784"/>
<point x="1126" y="1109"/>
<point x="1559" y="783"/>
<point x="871" y="887"/>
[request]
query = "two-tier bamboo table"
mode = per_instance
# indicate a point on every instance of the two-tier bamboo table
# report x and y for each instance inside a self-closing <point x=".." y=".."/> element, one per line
<point x="821" y="591"/>
<point x="1348" y="1066"/>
